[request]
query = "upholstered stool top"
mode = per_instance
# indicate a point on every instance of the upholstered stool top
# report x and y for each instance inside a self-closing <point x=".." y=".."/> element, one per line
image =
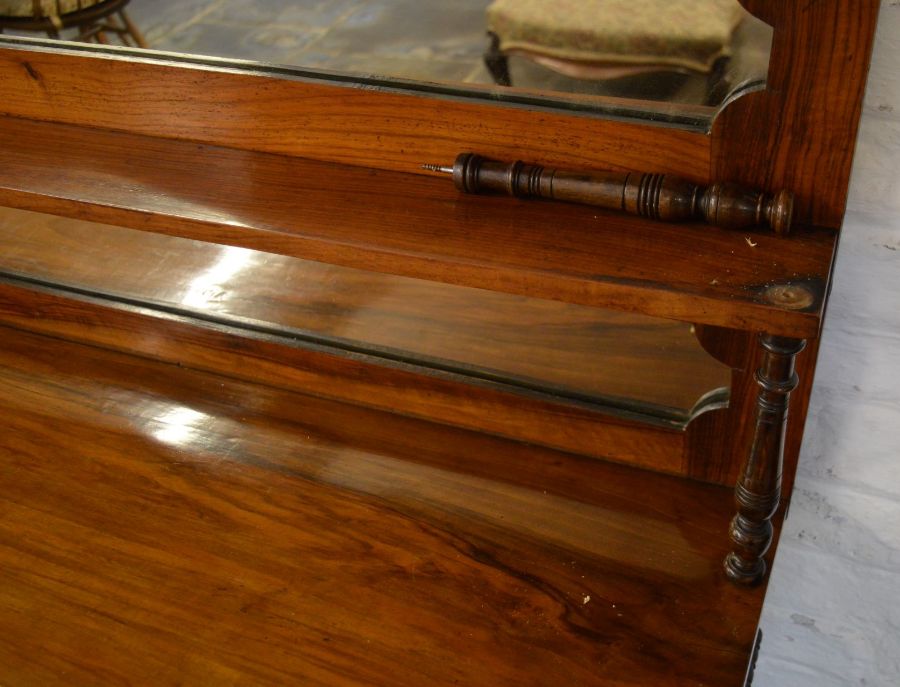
<point x="43" y="8"/>
<point x="681" y="33"/>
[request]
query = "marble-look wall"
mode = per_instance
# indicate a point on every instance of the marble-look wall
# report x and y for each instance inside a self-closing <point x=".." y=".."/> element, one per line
<point x="832" y="613"/>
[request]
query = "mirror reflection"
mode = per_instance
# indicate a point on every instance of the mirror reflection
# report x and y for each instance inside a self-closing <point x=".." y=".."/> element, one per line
<point x="693" y="52"/>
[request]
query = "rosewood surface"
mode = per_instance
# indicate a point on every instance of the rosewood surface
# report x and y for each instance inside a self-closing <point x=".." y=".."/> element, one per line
<point x="415" y="226"/>
<point x="337" y="120"/>
<point x="281" y="361"/>
<point x="160" y="525"/>
<point x="800" y="132"/>
<point x="797" y="135"/>
<point x="651" y="365"/>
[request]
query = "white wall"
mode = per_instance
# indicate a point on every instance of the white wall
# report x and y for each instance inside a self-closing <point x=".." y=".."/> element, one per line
<point x="832" y="613"/>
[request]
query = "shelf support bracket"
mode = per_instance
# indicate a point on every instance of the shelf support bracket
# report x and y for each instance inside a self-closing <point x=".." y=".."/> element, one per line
<point x="758" y="490"/>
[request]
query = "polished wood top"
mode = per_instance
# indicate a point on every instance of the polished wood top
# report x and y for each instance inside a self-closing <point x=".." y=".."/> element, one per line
<point x="574" y="351"/>
<point x="165" y="526"/>
<point x="416" y="226"/>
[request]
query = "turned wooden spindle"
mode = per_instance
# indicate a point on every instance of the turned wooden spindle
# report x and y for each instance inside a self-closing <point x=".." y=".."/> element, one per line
<point x="758" y="490"/>
<point x="657" y="196"/>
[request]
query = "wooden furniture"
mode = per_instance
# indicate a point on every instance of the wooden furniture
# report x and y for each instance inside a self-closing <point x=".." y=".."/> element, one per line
<point x="172" y="526"/>
<point x="610" y="39"/>
<point x="95" y="20"/>
<point x="330" y="170"/>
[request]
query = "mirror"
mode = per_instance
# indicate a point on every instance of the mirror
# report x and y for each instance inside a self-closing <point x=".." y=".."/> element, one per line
<point x="677" y="59"/>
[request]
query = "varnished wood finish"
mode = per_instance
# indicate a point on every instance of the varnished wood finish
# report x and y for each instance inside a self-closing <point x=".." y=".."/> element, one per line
<point x="416" y="226"/>
<point x="800" y="132"/>
<point x="283" y="362"/>
<point x="320" y="119"/>
<point x="651" y="365"/>
<point x="758" y="490"/>
<point x="797" y="135"/>
<point x="662" y="197"/>
<point x="722" y="437"/>
<point x="169" y="527"/>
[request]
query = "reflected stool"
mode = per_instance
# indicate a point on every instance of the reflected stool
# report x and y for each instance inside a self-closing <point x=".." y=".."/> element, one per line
<point x="95" y="20"/>
<point x="610" y="39"/>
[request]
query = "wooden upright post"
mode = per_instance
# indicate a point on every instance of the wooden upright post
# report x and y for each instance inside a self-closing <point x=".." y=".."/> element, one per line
<point x="758" y="490"/>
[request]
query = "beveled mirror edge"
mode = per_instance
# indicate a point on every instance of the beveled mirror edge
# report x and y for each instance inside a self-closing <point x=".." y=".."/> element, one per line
<point x="620" y="407"/>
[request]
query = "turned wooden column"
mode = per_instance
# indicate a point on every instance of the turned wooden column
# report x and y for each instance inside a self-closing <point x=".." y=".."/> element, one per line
<point x="758" y="490"/>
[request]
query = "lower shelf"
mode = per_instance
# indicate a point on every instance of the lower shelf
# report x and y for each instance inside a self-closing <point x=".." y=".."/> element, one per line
<point x="651" y="366"/>
<point x="170" y="526"/>
<point x="612" y="385"/>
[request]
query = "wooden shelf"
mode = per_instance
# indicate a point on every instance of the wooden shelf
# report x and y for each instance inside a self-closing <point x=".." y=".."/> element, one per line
<point x="167" y="526"/>
<point x="646" y="365"/>
<point x="413" y="225"/>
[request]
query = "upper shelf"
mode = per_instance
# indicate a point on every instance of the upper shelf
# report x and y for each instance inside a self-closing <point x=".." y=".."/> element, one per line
<point x="418" y="226"/>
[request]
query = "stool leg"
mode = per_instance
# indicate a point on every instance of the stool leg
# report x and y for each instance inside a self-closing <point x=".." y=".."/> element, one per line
<point x="496" y="62"/>
<point x="717" y="84"/>
<point x="133" y="30"/>
<point x="758" y="490"/>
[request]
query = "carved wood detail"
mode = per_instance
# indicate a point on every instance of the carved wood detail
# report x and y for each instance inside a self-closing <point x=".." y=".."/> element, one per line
<point x="758" y="491"/>
<point x="664" y="197"/>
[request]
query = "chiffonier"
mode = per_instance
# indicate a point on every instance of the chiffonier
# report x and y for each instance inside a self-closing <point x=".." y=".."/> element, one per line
<point x="301" y="508"/>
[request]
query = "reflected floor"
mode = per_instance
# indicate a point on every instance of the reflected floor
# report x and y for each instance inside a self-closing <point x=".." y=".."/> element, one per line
<point x="412" y="39"/>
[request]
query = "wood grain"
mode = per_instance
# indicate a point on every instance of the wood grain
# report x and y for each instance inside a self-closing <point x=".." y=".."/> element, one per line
<point x="286" y="363"/>
<point x="325" y="119"/>
<point x="415" y="226"/>
<point x="800" y="133"/>
<point x="160" y="526"/>
<point x="758" y="491"/>
<point x="600" y="355"/>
